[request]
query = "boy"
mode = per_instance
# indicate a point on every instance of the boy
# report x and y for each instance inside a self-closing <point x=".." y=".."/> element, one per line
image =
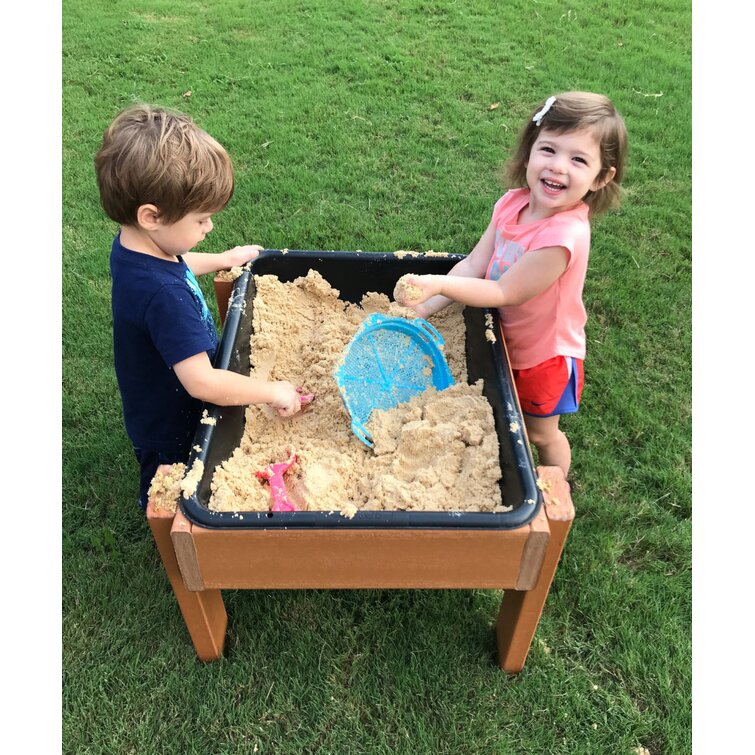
<point x="162" y="178"/>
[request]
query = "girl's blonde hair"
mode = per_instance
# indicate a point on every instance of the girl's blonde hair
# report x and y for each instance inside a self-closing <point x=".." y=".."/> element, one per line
<point x="574" y="111"/>
<point x="151" y="155"/>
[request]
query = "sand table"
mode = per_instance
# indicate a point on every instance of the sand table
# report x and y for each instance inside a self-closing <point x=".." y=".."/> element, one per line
<point x="437" y="452"/>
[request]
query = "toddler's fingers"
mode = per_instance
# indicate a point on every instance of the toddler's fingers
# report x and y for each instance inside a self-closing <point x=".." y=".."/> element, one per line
<point x="240" y="255"/>
<point x="289" y="411"/>
<point x="287" y="401"/>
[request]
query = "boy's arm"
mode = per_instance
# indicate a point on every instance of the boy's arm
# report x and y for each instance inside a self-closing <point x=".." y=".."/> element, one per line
<point x="473" y="265"/>
<point x="224" y="388"/>
<point x="529" y="276"/>
<point x="201" y="263"/>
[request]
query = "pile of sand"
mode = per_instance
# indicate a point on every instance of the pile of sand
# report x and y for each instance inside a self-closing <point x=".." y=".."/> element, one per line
<point x="438" y="451"/>
<point x="165" y="487"/>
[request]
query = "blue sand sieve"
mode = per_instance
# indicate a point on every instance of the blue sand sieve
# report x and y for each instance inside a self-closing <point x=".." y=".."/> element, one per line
<point x="389" y="360"/>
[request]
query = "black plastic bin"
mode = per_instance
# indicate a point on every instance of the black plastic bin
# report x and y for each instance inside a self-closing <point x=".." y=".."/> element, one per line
<point x="354" y="274"/>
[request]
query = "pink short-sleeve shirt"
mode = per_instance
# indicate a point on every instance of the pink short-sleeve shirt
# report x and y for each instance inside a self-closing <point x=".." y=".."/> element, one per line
<point x="553" y="322"/>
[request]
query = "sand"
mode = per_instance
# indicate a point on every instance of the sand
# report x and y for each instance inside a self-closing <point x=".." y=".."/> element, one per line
<point x="437" y="452"/>
<point x="165" y="488"/>
<point x="406" y="291"/>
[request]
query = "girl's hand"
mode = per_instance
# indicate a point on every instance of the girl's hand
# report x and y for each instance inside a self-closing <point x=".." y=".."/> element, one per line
<point x="240" y="255"/>
<point x="413" y="290"/>
<point x="286" y="399"/>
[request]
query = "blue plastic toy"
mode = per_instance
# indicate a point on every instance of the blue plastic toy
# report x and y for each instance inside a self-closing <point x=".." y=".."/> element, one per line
<point x="389" y="360"/>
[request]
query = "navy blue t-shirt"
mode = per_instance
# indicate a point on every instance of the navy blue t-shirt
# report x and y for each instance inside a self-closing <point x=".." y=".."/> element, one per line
<point x="160" y="318"/>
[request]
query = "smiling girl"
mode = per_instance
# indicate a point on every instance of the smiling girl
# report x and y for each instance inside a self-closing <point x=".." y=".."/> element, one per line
<point x="532" y="259"/>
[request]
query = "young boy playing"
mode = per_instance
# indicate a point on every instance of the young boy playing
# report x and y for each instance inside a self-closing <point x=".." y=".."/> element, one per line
<point x="163" y="178"/>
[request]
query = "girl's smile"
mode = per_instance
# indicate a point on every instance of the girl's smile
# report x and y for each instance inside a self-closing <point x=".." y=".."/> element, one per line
<point x="552" y="187"/>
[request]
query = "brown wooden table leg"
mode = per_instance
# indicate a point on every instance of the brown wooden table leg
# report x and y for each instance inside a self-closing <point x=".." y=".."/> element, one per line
<point x="223" y="290"/>
<point x="521" y="610"/>
<point x="203" y="611"/>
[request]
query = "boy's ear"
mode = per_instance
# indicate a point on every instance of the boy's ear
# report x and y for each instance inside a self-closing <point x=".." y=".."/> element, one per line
<point x="148" y="217"/>
<point x="599" y="183"/>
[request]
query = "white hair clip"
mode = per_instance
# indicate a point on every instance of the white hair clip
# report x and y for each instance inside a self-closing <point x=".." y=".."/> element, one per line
<point x="540" y="114"/>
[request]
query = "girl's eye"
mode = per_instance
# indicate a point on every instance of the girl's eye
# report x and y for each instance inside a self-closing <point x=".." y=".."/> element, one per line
<point x="581" y="160"/>
<point x="549" y="150"/>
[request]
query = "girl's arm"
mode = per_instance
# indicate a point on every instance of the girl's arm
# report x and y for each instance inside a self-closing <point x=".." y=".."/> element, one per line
<point x="224" y="388"/>
<point x="473" y="265"/>
<point x="201" y="263"/>
<point x="529" y="276"/>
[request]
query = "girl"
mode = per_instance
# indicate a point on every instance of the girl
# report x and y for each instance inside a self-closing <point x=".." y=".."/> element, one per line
<point x="531" y="261"/>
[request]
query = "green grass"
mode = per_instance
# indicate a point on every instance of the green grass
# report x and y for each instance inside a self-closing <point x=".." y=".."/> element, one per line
<point x="366" y="125"/>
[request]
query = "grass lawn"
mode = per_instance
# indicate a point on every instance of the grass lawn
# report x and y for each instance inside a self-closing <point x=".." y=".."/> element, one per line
<point x="367" y="124"/>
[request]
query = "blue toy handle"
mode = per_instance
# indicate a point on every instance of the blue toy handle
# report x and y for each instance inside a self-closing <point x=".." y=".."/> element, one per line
<point x="431" y="331"/>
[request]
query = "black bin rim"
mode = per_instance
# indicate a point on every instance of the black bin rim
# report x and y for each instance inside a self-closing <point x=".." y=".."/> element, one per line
<point x="521" y="514"/>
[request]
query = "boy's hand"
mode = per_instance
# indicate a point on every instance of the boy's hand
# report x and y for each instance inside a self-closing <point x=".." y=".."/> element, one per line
<point x="412" y="290"/>
<point x="286" y="399"/>
<point x="240" y="255"/>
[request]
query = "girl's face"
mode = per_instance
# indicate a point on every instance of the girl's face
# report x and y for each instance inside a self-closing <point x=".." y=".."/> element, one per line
<point x="562" y="169"/>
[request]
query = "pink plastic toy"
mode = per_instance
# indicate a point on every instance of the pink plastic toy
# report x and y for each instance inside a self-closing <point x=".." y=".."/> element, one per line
<point x="305" y="398"/>
<point x="274" y="475"/>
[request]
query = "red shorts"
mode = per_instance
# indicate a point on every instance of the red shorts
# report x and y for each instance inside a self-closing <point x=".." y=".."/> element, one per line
<point x="551" y="387"/>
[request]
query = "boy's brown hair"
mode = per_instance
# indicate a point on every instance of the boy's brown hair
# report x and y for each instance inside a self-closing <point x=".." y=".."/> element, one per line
<point x="573" y="111"/>
<point x="151" y="155"/>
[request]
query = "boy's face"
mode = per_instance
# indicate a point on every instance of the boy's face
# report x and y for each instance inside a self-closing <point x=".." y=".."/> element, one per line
<point x="183" y="235"/>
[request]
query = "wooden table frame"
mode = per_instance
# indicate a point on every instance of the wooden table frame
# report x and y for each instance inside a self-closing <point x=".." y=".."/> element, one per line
<point x="200" y="562"/>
